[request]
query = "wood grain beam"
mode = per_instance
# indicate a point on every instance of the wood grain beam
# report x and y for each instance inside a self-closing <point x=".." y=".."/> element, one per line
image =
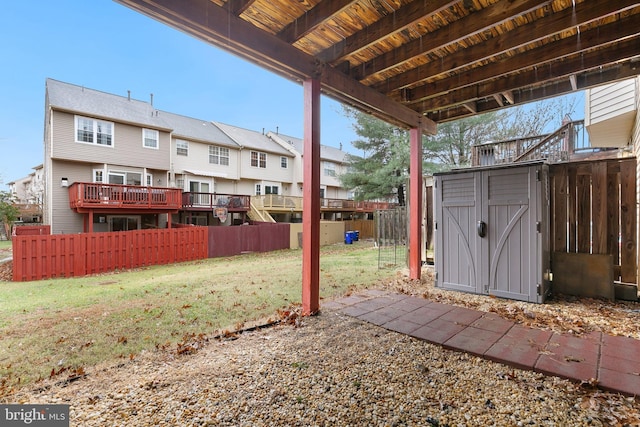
<point x="607" y="38"/>
<point x="236" y="7"/>
<point x="559" y="70"/>
<point x="539" y="29"/>
<point x="456" y="31"/>
<point x="306" y="23"/>
<point x="387" y="26"/>
<point x="585" y="80"/>
<point x="217" y="26"/>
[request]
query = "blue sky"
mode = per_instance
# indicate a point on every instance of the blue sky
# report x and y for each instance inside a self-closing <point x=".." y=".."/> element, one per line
<point x="105" y="46"/>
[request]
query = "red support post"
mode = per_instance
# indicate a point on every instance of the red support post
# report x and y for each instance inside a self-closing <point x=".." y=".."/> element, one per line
<point x="311" y="199"/>
<point x="415" y="204"/>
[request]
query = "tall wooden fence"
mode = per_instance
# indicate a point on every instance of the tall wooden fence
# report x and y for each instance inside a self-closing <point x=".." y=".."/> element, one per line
<point x="365" y="227"/>
<point x="38" y="257"/>
<point x="593" y="211"/>
<point x="262" y="237"/>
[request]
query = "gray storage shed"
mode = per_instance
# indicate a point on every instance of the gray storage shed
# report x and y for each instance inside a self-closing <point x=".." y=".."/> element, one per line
<point x="492" y="231"/>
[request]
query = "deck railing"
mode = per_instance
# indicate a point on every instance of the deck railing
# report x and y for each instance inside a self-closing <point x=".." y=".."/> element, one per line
<point x="293" y="203"/>
<point x="90" y="195"/>
<point x="570" y="138"/>
<point x="208" y="201"/>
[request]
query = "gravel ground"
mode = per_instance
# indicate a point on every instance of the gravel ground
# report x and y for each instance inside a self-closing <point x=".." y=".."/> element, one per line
<point x="333" y="370"/>
<point x="330" y="371"/>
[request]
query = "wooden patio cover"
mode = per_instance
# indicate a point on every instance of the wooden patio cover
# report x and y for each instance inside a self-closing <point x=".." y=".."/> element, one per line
<point x="413" y="63"/>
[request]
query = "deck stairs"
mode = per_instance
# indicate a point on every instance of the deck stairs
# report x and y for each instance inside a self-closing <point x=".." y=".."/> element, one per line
<point x="256" y="214"/>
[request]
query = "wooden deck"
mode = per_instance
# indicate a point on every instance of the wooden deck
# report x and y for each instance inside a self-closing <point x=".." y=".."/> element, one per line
<point x="84" y="196"/>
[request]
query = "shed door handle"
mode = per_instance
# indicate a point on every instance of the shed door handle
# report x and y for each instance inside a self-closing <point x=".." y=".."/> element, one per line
<point x="482" y="228"/>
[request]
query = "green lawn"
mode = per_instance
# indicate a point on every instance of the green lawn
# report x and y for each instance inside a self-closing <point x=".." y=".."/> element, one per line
<point x="72" y="324"/>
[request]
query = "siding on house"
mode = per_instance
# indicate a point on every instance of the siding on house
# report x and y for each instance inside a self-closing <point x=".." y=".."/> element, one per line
<point x="66" y="221"/>
<point x="77" y="161"/>
<point x="330" y="158"/>
<point x="610" y="113"/>
<point x="127" y="148"/>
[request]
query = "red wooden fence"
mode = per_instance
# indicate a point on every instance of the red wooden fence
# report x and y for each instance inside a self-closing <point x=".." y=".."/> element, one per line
<point x="263" y="237"/>
<point x="38" y="257"/>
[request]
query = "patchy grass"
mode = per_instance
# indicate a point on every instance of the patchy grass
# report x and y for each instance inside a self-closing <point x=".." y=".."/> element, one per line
<point x="5" y="248"/>
<point x="68" y="325"/>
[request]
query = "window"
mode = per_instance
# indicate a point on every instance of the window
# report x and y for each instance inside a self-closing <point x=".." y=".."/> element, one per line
<point x="258" y="160"/>
<point x="283" y="162"/>
<point x="150" y="138"/>
<point x="180" y="183"/>
<point x="329" y="169"/>
<point x="258" y="189"/>
<point x="218" y="155"/>
<point x="98" y="175"/>
<point x="182" y="147"/>
<point x="129" y="178"/>
<point x="270" y="189"/>
<point x="149" y="180"/>
<point x="93" y="131"/>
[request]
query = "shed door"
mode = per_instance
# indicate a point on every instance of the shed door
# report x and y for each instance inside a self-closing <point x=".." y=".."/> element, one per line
<point x="456" y="243"/>
<point x="510" y="250"/>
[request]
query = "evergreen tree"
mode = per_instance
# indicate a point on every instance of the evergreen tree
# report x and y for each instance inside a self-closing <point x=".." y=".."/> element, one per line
<point x="382" y="170"/>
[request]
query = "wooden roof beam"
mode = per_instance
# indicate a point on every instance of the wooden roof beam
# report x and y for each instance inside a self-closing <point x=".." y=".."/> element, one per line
<point x="456" y="31"/>
<point x="498" y="98"/>
<point x="584" y="80"/>
<point x="215" y="25"/>
<point x="508" y="95"/>
<point x="237" y="7"/>
<point x="607" y="38"/>
<point x="539" y="29"/>
<point x="507" y="85"/>
<point x="574" y="82"/>
<point x="308" y="22"/>
<point x="383" y="28"/>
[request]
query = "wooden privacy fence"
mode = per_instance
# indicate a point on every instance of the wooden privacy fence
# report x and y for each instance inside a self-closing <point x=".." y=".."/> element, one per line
<point x="38" y="257"/>
<point x="261" y="237"/>
<point x="366" y="227"/>
<point x="593" y="211"/>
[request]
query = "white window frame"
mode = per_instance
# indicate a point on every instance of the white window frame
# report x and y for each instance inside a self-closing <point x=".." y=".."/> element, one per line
<point x="218" y="155"/>
<point x="98" y="173"/>
<point x="329" y="169"/>
<point x="258" y="189"/>
<point x="182" y="147"/>
<point x="150" y="135"/>
<point x="284" y="162"/>
<point x="123" y="175"/>
<point x="260" y="159"/>
<point x="149" y="178"/>
<point x="91" y="128"/>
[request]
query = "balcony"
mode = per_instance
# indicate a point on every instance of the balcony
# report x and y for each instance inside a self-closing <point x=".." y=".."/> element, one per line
<point x="192" y="201"/>
<point x="85" y="196"/>
<point x="570" y="139"/>
<point x="280" y="203"/>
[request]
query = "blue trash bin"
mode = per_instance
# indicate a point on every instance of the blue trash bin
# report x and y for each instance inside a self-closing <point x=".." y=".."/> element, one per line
<point x="348" y="238"/>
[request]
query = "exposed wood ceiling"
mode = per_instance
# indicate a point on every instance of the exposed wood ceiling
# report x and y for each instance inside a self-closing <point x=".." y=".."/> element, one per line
<point x="417" y="63"/>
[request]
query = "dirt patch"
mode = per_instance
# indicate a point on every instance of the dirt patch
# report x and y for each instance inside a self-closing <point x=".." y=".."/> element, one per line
<point x="6" y="271"/>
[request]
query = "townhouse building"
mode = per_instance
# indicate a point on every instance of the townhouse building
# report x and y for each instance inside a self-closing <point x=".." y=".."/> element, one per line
<point x="114" y="163"/>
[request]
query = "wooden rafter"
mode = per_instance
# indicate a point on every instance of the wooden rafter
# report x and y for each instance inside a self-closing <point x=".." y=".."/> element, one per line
<point x="214" y="24"/>
<point x="406" y="60"/>
<point x="564" y="20"/>
<point x="454" y="32"/>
